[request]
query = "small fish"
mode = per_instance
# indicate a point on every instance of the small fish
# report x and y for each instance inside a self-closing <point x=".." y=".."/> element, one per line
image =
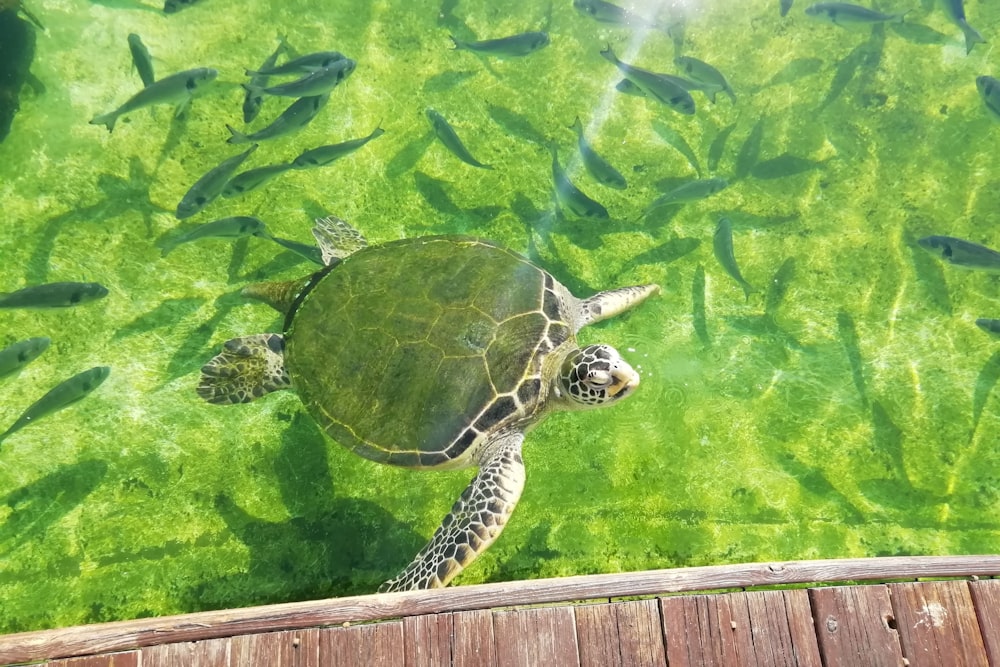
<point x="956" y="11"/>
<point x="515" y="45"/>
<point x="63" y="394"/>
<point x="53" y="295"/>
<point x="210" y="186"/>
<point x="718" y="147"/>
<point x="598" y="167"/>
<point x="989" y="90"/>
<point x="722" y="246"/>
<point x="705" y="74"/>
<point x="141" y="59"/>
<point x="842" y="13"/>
<point x="236" y="227"/>
<point x="570" y="197"/>
<point x="990" y="326"/>
<point x="20" y="354"/>
<point x="605" y="12"/>
<point x="253" y="179"/>
<point x="252" y="102"/>
<point x="690" y="191"/>
<point x="311" y="62"/>
<point x="324" y="155"/>
<point x="674" y="138"/>
<point x="962" y="254"/>
<point x="173" y="6"/>
<point x="320" y="82"/>
<point x="698" y="316"/>
<point x="446" y="134"/>
<point x="298" y="114"/>
<point x="309" y="251"/>
<point x="661" y="87"/>
<point x="174" y="89"/>
<point x="786" y="6"/>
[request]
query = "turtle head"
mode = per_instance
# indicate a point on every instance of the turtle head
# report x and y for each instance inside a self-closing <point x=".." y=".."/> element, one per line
<point x="596" y="375"/>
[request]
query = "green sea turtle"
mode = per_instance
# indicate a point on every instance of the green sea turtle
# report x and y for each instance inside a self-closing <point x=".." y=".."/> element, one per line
<point x="434" y="352"/>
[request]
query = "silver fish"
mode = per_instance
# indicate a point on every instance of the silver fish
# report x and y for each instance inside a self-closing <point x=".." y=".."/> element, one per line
<point x="252" y="102"/>
<point x="141" y="59"/>
<point x="174" y="89"/>
<point x="661" y="87"/>
<point x="310" y="252"/>
<point x="989" y="90"/>
<point x="605" y="12"/>
<point x="63" y="394"/>
<point x="320" y="82"/>
<point x="298" y="114"/>
<point x="446" y="133"/>
<point x="515" y="45"/>
<point x="253" y="179"/>
<point x="311" y="62"/>
<point x="16" y="356"/>
<point x="722" y="247"/>
<point x="53" y="295"/>
<point x="690" y="191"/>
<point x="786" y="5"/>
<point x="210" y="186"/>
<point x="962" y="254"/>
<point x="991" y="326"/>
<point x="570" y="197"/>
<point x="842" y="13"/>
<point x="705" y="74"/>
<point x="598" y="167"/>
<point x="324" y="155"/>
<point x="173" y="6"/>
<point x="236" y="227"/>
<point x="956" y="11"/>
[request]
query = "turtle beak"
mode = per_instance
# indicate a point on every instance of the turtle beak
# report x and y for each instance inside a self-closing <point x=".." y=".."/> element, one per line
<point x="624" y="381"/>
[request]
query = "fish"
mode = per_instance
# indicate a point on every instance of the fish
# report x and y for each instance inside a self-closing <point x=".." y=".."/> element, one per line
<point x="252" y="102"/>
<point x="141" y="59"/>
<point x="698" y="314"/>
<point x="956" y="11"/>
<point x="446" y="134"/>
<point x="309" y="251"/>
<point x="722" y="247"/>
<point x="661" y="87"/>
<point x="298" y="114"/>
<point x="674" y="138"/>
<point x="718" y="146"/>
<point x="253" y="179"/>
<point x="324" y="155"/>
<point x="311" y="62"/>
<point x="989" y="90"/>
<point x="174" y="6"/>
<point x="570" y="197"/>
<point x="63" y="394"/>
<point x="689" y="192"/>
<point x="605" y="12"/>
<point x="17" y="51"/>
<point x="786" y="6"/>
<point x="319" y="82"/>
<point x="210" y="186"/>
<point x="842" y="13"/>
<point x="703" y="73"/>
<point x="505" y="47"/>
<point x="53" y="295"/>
<point x="990" y="326"/>
<point x="20" y="354"/>
<point x="596" y="165"/>
<point x="174" y="89"/>
<point x="236" y="227"/>
<point x="962" y="254"/>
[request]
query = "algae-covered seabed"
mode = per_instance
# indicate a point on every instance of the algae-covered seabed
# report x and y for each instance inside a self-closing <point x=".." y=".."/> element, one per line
<point x="846" y="409"/>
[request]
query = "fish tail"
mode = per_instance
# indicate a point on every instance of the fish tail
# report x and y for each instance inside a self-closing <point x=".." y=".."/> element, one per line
<point x="577" y="126"/>
<point x="108" y="120"/>
<point x="609" y="55"/>
<point x="253" y="90"/>
<point x="972" y="36"/>
<point x="458" y="45"/>
<point x="238" y="137"/>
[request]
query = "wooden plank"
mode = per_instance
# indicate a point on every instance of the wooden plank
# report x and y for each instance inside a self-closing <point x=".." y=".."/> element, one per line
<point x="597" y="635"/>
<point x="640" y="633"/>
<point x="539" y="636"/>
<point x="370" y="644"/>
<point x="306" y="644"/>
<point x="268" y="648"/>
<point x="125" y="635"/>
<point x="474" y="643"/>
<point x="986" y="599"/>
<point x="125" y="659"/>
<point x="427" y="640"/>
<point x="780" y="633"/>
<point x="195" y="654"/>
<point x="937" y="623"/>
<point x="855" y="625"/>
<point x="707" y="630"/>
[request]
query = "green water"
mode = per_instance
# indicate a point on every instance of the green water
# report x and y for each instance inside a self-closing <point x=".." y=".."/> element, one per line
<point x="847" y="410"/>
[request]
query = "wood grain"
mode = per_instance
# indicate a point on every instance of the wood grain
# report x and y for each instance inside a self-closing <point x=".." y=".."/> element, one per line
<point x="553" y="630"/>
<point x="937" y="624"/>
<point x="986" y="599"/>
<point x="855" y="625"/>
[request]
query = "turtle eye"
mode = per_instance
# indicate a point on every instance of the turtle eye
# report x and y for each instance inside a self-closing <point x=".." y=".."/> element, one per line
<point x="599" y="379"/>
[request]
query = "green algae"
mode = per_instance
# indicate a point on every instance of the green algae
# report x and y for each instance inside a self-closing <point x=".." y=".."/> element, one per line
<point x="850" y="414"/>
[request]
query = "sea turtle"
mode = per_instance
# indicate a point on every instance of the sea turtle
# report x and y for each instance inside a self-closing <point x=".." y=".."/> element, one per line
<point x="434" y="352"/>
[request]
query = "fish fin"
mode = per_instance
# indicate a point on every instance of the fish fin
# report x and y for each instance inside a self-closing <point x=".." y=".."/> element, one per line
<point x="972" y="36"/>
<point x="710" y="96"/>
<point x="253" y="90"/>
<point x="238" y="137"/>
<point x="108" y="120"/>
<point x="458" y="46"/>
<point x="182" y="107"/>
<point x="577" y="126"/>
<point x="609" y="55"/>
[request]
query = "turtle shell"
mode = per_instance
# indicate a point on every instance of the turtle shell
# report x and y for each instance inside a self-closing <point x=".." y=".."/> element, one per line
<point x="411" y="352"/>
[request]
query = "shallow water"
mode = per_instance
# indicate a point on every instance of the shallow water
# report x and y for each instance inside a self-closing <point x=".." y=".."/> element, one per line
<point x="845" y="409"/>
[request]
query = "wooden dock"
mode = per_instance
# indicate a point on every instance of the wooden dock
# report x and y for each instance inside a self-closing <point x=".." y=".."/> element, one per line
<point x="935" y="611"/>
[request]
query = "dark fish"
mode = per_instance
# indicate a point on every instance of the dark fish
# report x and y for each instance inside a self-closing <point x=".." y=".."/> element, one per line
<point x="842" y="13"/>
<point x="990" y="326"/>
<point x="252" y="102"/>
<point x="16" y="356"/>
<point x="53" y="295"/>
<point x="63" y="394"/>
<point x="989" y="90"/>
<point x="779" y="286"/>
<point x="786" y="5"/>
<point x="749" y="151"/>
<point x="17" y="50"/>
<point x="311" y="62"/>
<point x="674" y="138"/>
<point x="699" y="318"/>
<point x="661" y="87"/>
<point x="961" y="253"/>
<point x="236" y="227"/>
<point x="174" y="89"/>
<point x="956" y="11"/>
<point x="298" y="114"/>
<point x="449" y="138"/>
<point x="703" y="73"/>
<point x="852" y="347"/>
<point x="690" y="191"/>
<point x="598" y="167"/>
<point x="210" y="186"/>
<point x="782" y="166"/>
<point x="515" y="45"/>
<point x="319" y="82"/>
<point x="324" y="155"/>
<point x="718" y="146"/>
<point x="309" y="251"/>
<point x="173" y="6"/>
<point x="253" y="178"/>
<point x="570" y="197"/>
<point x="722" y="246"/>
<point x="605" y="12"/>
<point x="141" y="59"/>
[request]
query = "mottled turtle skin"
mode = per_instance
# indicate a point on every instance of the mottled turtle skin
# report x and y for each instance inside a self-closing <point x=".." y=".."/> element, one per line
<point x="433" y="352"/>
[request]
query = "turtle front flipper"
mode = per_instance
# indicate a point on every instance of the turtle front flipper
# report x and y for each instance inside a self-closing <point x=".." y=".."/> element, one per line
<point x="247" y="368"/>
<point x="475" y="520"/>
<point x="607" y="304"/>
<point x="337" y="239"/>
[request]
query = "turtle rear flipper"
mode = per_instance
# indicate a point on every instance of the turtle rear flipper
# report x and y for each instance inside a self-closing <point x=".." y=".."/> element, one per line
<point x="247" y="368"/>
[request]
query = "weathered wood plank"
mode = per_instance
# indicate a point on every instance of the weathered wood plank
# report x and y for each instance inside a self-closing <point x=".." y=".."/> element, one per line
<point x="427" y="640"/>
<point x="370" y="644"/>
<point x="474" y="642"/>
<point x="707" y="630"/>
<point x="552" y="634"/>
<point x="269" y="648"/>
<point x="937" y="623"/>
<point x="986" y="599"/>
<point x="854" y="625"/>
<point x="782" y="628"/>
<point x="124" y="635"/>
<point x="196" y="654"/>
<point x="125" y="659"/>
<point x="306" y="643"/>
<point x="597" y="635"/>
<point x="640" y="633"/>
